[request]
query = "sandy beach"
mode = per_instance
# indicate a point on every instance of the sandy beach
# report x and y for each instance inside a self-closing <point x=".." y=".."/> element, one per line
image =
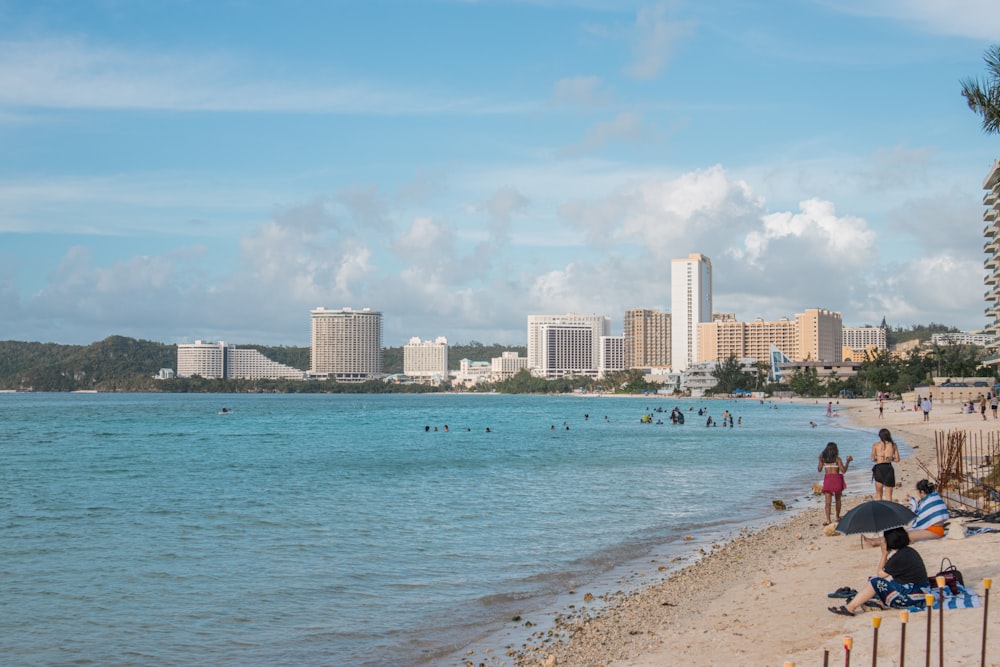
<point x="761" y="598"/>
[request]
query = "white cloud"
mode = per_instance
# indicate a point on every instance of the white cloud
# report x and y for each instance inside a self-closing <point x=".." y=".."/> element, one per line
<point x="976" y="19"/>
<point x="74" y="74"/>
<point x="580" y="91"/>
<point x="626" y="126"/>
<point x="655" y="38"/>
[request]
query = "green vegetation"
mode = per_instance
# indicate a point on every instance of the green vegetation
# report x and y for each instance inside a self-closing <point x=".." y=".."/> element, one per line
<point x="118" y="363"/>
<point x="984" y="97"/>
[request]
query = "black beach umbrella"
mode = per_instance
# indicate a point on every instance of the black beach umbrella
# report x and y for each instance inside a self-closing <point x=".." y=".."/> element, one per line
<point x="875" y="516"/>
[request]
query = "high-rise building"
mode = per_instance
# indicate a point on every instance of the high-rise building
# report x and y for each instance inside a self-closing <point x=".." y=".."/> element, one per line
<point x="346" y="344"/>
<point x="821" y="335"/>
<point x="690" y="304"/>
<point x="647" y="338"/>
<point x="991" y="216"/>
<point x="612" y="355"/>
<point x="426" y="359"/>
<point x="221" y="360"/>
<point x="566" y="345"/>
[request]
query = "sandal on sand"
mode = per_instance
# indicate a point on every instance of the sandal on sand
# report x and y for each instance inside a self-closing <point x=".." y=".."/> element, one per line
<point x="843" y="592"/>
<point x="842" y="610"/>
<point x="875" y="604"/>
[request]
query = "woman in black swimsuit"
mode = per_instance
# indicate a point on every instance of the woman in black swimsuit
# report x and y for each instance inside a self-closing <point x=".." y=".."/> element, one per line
<point x="884" y="454"/>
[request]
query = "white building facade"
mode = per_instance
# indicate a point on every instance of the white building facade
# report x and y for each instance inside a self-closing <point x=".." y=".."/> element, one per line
<point x="612" y="355"/>
<point x="991" y="232"/>
<point x="860" y="339"/>
<point x="426" y="359"/>
<point x="690" y="305"/>
<point x="221" y="360"/>
<point x="566" y="345"/>
<point x="346" y="344"/>
<point x="506" y="366"/>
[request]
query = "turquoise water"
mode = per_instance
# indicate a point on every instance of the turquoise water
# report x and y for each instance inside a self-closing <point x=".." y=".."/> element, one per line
<point x="327" y="530"/>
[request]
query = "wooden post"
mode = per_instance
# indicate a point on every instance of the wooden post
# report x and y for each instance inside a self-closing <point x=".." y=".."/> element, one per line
<point x="986" y="607"/>
<point x="848" y="644"/>
<point x="940" y="583"/>
<point x="929" y="600"/>
<point x="876" y="621"/>
<point x="904" y="617"/>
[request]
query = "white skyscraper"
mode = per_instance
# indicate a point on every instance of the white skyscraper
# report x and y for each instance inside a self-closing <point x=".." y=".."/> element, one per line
<point x="346" y="344"/>
<point x="690" y="303"/>
<point x="427" y="359"/>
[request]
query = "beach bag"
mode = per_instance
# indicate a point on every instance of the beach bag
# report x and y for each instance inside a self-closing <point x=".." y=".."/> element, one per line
<point x="952" y="577"/>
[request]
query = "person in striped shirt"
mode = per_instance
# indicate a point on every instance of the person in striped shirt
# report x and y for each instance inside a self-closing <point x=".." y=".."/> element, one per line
<point x="932" y="515"/>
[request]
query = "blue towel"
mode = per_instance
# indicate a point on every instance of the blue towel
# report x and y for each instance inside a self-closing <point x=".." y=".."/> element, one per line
<point x="966" y="598"/>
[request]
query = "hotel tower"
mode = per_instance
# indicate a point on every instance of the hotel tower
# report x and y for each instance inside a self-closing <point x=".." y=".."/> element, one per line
<point x="346" y="344"/>
<point x="690" y="304"/>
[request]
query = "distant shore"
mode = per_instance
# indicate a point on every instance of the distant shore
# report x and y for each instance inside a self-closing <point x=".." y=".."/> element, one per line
<point x="761" y="598"/>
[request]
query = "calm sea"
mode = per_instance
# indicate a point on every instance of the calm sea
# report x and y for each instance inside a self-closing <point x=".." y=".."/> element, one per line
<point x="143" y="529"/>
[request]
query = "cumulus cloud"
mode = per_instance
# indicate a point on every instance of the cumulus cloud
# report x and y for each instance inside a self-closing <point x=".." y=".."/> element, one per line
<point x="431" y="280"/>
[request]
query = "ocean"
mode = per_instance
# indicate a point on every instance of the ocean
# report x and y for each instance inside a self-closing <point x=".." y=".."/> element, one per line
<point x="146" y="529"/>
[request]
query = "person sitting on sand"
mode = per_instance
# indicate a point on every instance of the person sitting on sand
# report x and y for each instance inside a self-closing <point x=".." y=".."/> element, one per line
<point x="932" y="515"/>
<point x="901" y="581"/>
<point x="833" y="478"/>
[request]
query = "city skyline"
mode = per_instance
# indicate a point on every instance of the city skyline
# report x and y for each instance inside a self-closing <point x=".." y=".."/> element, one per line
<point x="213" y="170"/>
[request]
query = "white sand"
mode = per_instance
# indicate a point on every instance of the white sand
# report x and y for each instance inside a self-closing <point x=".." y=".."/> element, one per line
<point x="762" y="599"/>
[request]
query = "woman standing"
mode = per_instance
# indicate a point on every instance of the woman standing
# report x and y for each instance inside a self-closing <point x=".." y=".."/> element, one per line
<point x="833" y="477"/>
<point x="884" y="454"/>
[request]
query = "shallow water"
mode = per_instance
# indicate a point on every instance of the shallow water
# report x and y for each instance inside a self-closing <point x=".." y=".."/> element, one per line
<point x="310" y="530"/>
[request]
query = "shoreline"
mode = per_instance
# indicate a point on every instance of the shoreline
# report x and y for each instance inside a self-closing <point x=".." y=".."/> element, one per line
<point x="760" y="596"/>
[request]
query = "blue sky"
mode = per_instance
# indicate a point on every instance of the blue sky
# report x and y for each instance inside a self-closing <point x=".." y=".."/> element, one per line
<point x="214" y="170"/>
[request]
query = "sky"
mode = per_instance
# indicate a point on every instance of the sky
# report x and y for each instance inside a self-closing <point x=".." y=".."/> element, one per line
<point x="180" y="170"/>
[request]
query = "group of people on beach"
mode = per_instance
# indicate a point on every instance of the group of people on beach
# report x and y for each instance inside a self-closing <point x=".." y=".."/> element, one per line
<point x="901" y="580"/>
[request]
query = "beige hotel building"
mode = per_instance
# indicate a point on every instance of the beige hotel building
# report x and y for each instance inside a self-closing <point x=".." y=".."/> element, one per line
<point x="815" y="335"/>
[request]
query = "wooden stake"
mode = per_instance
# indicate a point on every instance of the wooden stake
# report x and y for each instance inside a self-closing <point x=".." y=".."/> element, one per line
<point x="940" y="583"/>
<point x="904" y="618"/>
<point x="929" y="600"/>
<point x="986" y="607"/>
<point x="848" y="644"/>
<point x="876" y="621"/>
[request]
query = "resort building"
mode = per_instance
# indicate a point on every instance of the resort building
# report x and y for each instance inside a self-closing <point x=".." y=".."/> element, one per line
<point x="506" y="366"/>
<point x="471" y="373"/>
<point x="991" y="216"/>
<point x="346" y="344"/>
<point x="647" y="338"/>
<point x="612" y="355"/>
<point x="221" y="360"/>
<point x="426" y="360"/>
<point x="821" y="335"/>
<point x="962" y="338"/>
<point x="815" y="335"/>
<point x="566" y="345"/>
<point x="690" y="305"/>
<point x="860" y="339"/>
